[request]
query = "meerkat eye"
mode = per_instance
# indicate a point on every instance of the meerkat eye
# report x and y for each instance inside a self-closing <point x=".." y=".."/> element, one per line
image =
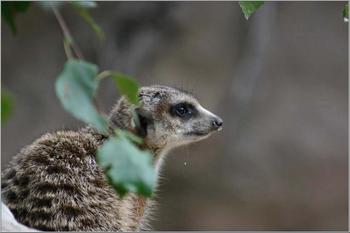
<point x="183" y="110"/>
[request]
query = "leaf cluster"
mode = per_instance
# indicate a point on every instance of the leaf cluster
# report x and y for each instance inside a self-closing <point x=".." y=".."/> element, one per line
<point x="128" y="168"/>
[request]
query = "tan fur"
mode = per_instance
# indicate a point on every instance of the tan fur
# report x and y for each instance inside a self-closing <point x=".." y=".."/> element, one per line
<point x="56" y="184"/>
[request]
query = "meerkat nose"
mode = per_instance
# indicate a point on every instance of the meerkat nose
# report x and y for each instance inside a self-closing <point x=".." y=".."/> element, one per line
<point x="217" y="123"/>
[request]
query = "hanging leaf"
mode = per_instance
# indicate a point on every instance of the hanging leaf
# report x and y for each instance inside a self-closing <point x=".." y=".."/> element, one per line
<point x="128" y="168"/>
<point x="249" y="7"/>
<point x="128" y="87"/>
<point x="6" y="105"/>
<point x="76" y="87"/>
<point x="48" y="5"/>
<point x="80" y="8"/>
<point x="346" y="12"/>
<point x="9" y="10"/>
<point x="86" y="4"/>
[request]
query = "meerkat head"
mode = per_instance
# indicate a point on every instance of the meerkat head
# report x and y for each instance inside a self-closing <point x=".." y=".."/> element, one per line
<point x="168" y="118"/>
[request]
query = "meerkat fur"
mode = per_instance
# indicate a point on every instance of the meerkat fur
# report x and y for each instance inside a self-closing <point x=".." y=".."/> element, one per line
<point x="55" y="184"/>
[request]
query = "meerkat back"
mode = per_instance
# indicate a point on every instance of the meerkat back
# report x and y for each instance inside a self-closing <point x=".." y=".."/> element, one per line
<point x="55" y="184"/>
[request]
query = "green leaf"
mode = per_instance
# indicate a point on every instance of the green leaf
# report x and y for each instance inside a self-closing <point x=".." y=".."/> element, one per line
<point x="10" y="9"/>
<point x="346" y="12"/>
<point x="75" y="88"/>
<point x="6" y="105"/>
<point x="86" y="4"/>
<point x="127" y="168"/>
<point x="249" y="7"/>
<point x="132" y="137"/>
<point x="128" y="87"/>
<point x="48" y="5"/>
<point x="80" y="8"/>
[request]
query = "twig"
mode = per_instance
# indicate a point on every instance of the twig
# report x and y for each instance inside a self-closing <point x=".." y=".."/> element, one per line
<point x="67" y="33"/>
<point x="67" y="49"/>
<point x="104" y="74"/>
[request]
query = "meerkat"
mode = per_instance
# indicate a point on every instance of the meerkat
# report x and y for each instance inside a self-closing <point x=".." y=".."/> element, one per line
<point x="55" y="184"/>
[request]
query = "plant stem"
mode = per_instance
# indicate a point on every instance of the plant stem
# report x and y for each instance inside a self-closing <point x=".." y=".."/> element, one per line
<point x="67" y="49"/>
<point x="104" y="74"/>
<point x="67" y="33"/>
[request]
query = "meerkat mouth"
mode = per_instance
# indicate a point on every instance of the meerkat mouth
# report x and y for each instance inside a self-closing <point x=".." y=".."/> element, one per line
<point x="197" y="133"/>
<point x="202" y="133"/>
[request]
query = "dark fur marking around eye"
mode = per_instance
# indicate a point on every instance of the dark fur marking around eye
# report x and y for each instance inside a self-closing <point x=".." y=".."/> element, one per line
<point x="183" y="110"/>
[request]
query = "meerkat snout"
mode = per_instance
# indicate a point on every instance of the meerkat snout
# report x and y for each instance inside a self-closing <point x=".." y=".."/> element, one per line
<point x="217" y="123"/>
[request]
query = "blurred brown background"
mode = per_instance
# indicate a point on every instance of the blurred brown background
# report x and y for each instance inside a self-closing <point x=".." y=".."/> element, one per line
<point x="279" y="81"/>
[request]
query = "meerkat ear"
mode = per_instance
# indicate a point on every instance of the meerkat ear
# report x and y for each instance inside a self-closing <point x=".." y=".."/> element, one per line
<point x="153" y="98"/>
<point x="156" y="97"/>
<point x="145" y="121"/>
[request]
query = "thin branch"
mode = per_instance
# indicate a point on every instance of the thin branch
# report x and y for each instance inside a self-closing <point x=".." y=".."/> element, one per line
<point x="67" y="49"/>
<point x="104" y="74"/>
<point x="67" y="33"/>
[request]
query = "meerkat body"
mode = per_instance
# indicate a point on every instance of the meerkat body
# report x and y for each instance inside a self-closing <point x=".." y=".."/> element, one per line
<point x="55" y="183"/>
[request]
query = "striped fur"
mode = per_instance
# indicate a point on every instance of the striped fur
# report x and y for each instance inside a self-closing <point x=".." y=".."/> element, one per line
<point x="54" y="184"/>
